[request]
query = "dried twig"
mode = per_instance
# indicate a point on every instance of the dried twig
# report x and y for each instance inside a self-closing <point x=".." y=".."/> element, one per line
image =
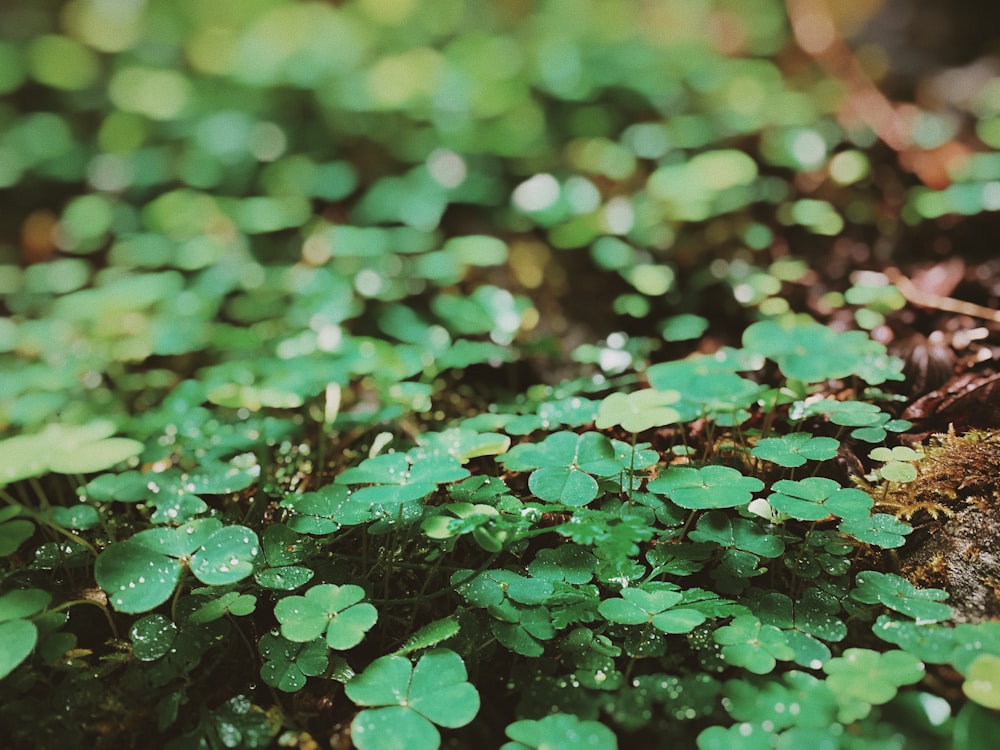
<point x="919" y="297"/>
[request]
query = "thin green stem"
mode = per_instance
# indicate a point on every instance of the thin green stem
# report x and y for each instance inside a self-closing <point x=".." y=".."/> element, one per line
<point x="40" y="519"/>
<point x="104" y="609"/>
<point x="441" y="592"/>
<point x="687" y="525"/>
<point x="631" y="466"/>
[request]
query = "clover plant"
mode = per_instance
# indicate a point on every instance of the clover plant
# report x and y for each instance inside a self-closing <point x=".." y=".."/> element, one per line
<point x="336" y="612"/>
<point x="329" y="337"/>
<point x="405" y="701"/>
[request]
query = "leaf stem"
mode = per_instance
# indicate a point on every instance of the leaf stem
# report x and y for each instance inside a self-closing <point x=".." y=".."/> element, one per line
<point x="103" y="608"/>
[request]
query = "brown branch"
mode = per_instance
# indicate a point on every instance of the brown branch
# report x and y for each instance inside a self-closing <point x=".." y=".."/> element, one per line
<point x="920" y="298"/>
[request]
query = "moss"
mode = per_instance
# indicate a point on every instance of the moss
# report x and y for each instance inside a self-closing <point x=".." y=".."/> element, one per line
<point x="954" y="505"/>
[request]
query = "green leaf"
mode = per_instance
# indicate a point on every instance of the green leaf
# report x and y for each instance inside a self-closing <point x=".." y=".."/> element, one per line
<point x="228" y="556"/>
<point x="14" y="533"/>
<point x="65" y="449"/>
<point x="77" y="517"/>
<point x="976" y="728"/>
<point x="896" y="593"/>
<point x="567" y="486"/>
<point x="798" y="699"/>
<point x="567" y="562"/>
<point x="815" y="498"/>
<point x="323" y="511"/>
<point x="559" y="732"/>
<point x="22" y="603"/>
<point x="18" y="638"/>
<point x="880" y="529"/>
<point x="287" y="664"/>
<point x="871" y="677"/>
<point x="845" y="413"/>
<point x="639" y="410"/>
<point x="747" y="642"/>
<point x="653" y="605"/>
<point x="707" y="385"/>
<point x="408" y="699"/>
<point x="930" y="643"/>
<point x="810" y="352"/>
<point x="982" y="681"/>
<point x="152" y="636"/>
<point x="709" y="487"/>
<point x="795" y="449"/>
<point x="135" y="577"/>
<point x="565" y="465"/>
<point x="393" y="728"/>
<point x="463" y="444"/>
<point x="285" y="578"/>
<point x="232" y="602"/>
<point x="737" y="533"/>
<point x="745" y="736"/>
<point x="337" y="612"/>
<point x="440" y="691"/>
<point x="429" y="635"/>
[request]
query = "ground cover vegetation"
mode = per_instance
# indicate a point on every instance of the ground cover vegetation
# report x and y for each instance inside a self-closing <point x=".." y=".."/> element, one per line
<point x="389" y="374"/>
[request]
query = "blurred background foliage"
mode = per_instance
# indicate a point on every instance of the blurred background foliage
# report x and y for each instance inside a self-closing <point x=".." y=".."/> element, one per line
<point x="239" y="183"/>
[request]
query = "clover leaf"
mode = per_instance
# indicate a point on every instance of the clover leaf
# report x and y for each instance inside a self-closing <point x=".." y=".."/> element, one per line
<point x="338" y="612"/>
<point x="653" y="605"/>
<point x="747" y="642"/>
<point x="152" y="637"/>
<point x="237" y="723"/>
<point x="737" y="533"/>
<point x="324" y="510"/>
<point x="931" y="643"/>
<point x="397" y="478"/>
<point x="287" y="664"/>
<point x="176" y="495"/>
<point x="707" y="487"/>
<point x="142" y="572"/>
<point x="808" y="351"/>
<point x="639" y="410"/>
<point x="64" y="449"/>
<point x="982" y="681"/>
<point x="895" y="466"/>
<point x="798" y="699"/>
<point x="567" y="562"/>
<point x="282" y="548"/>
<point x="870" y="421"/>
<point x="463" y="444"/>
<point x="454" y="519"/>
<point x="812" y="617"/>
<point x="559" y="732"/>
<point x="407" y="701"/>
<point x="565" y="465"/>
<point x="707" y="386"/>
<point x="816" y="498"/>
<point x="973" y="639"/>
<point x="879" y="529"/>
<point x="615" y="538"/>
<point x="896" y="593"/>
<point x="17" y="633"/>
<point x="742" y="736"/>
<point x="230" y="603"/>
<point x="593" y="659"/>
<point x="795" y="449"/>
<point x="861" y="678"/>
<point x="14" y="531"/>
